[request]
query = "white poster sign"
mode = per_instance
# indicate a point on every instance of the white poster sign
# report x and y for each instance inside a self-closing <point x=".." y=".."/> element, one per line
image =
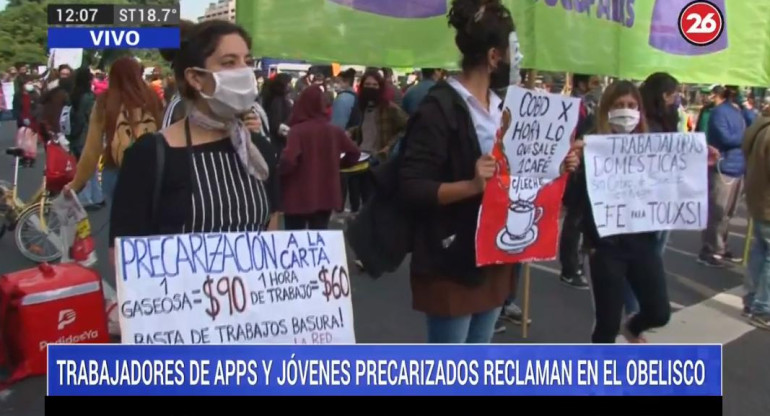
<point x="647" y="182"/>
<point x="72" y="57"/>
<point x="538" y="127"/>
<point x="8" y="91"/>
<point x="235" y="288"/>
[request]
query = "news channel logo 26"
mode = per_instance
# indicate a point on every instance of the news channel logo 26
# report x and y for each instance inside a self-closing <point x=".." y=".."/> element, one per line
<point x="702" y="23"/>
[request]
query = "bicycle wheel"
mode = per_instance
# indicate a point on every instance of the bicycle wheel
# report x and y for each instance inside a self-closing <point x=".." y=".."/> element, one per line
<point x="35" y="242"/>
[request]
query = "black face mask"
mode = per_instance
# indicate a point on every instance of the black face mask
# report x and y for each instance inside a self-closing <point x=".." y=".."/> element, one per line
<point x="370" y="95"/>
<point x="501" y="77"/>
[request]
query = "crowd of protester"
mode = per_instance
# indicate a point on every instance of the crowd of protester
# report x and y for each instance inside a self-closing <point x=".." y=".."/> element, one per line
<point x="220" y="147"/>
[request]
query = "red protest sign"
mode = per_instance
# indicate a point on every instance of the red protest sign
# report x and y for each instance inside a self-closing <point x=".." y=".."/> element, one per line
<point x="523" y="230"/>
<point x="519" y="216"/>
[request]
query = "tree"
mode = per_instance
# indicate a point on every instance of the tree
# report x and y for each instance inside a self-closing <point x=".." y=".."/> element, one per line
<point x="15" y="3"/>
<point x="23" y="34"/>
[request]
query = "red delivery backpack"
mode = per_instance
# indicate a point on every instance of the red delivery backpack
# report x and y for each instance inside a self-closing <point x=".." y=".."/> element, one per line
<point x="50" y="304"/>
<point x="60" y="167"/>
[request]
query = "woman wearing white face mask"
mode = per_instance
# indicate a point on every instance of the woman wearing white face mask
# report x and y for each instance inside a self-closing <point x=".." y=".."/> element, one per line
<point x="217" y="173"/>
<point x="445" y="163"/>
<point x="626" y="259"/>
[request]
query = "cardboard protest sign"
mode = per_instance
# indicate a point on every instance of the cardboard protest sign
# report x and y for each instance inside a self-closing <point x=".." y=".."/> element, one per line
<point x="647" y="182"/>
<point x="519" y="217"/>
<point x="537" y="128"/>
<point x="235" y="288"/>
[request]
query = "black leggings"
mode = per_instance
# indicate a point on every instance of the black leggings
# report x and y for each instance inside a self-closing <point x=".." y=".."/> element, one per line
<point x="570" y="255"/>
<point x="316" y="221"/>
<point x="356" y="186"/>
<point x="642" y="266"/>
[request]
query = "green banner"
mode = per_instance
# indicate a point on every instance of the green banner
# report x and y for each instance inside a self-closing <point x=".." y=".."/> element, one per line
<point x="623" y="38"/>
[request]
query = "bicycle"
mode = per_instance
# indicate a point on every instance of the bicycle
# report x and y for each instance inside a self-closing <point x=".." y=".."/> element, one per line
<point x="35" y="225"/>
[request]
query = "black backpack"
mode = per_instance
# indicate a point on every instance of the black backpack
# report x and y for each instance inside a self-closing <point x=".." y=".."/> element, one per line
<point x="381" y="235"/>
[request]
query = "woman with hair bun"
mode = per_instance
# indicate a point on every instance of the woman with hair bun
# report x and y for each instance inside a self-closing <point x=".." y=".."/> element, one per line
<point x="445" y="165"/>
<point x="217" y="171"/>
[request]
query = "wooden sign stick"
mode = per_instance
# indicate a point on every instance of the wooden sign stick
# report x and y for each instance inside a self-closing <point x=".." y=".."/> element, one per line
<point x="531" y="75"/>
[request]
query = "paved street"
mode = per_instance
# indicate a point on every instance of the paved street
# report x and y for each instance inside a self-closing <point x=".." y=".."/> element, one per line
<point x="706" y="304"/>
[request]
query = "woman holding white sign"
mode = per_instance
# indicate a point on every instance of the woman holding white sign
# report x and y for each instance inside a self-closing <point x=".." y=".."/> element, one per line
<point x="445" y="167"/>
<point x="618" y="260"/>
<point x="211" y="171"/>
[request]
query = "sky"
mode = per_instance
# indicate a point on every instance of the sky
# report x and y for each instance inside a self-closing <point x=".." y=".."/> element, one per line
<point x="191" y="9"/>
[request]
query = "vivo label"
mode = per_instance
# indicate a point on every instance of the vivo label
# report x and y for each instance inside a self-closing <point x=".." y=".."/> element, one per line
<point x="108" y="37"/>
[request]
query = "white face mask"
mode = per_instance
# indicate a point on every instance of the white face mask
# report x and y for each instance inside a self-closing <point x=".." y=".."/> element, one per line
<point x="29" y="87"/>
<point x="234" y="94"/>
<point x="624" y="120"/>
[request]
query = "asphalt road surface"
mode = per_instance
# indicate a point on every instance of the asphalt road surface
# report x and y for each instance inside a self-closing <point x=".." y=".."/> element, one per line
<point x="706" y="304"/>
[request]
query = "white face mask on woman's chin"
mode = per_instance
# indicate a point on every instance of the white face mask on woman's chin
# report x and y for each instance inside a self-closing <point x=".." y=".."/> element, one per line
<point x="624" y="120"/>
<point x="234" y="94"/>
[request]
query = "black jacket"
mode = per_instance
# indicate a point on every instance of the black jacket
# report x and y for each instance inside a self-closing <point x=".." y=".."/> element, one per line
<point x="441" y="148"/>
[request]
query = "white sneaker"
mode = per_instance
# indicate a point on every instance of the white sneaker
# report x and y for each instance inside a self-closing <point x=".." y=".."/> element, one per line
<point x="512" y="313"/>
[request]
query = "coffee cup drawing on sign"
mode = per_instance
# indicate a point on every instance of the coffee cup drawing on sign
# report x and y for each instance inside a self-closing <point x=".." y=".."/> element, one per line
<point x="523" y="215"/>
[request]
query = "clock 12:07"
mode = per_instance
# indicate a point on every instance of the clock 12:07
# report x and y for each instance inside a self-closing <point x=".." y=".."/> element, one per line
<point x="67" y="15"/>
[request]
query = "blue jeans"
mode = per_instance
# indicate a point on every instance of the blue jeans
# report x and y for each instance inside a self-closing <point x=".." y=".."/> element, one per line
<point x="518" y="268"/>
<point x="92" y="192"/>
<point x="109" y="180"/>
<point x="470" y="329"/>
<point x="757" y="281"/>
